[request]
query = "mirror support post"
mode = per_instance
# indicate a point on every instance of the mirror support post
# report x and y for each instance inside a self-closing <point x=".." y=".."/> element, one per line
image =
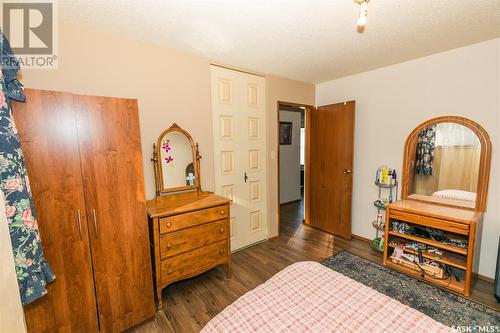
<point x="198" y="158"/>
<point x="154" y="159"/>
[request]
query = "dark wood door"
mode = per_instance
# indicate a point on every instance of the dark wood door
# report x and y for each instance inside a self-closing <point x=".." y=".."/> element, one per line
<point x="109" y="137"/>
<point x="47" y="128"/>
<point x="331" y="164"/>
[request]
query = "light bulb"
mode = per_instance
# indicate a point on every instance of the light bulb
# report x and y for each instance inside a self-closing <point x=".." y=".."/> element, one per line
<point x="361" y="21"/>
<point x="363" y="12"/>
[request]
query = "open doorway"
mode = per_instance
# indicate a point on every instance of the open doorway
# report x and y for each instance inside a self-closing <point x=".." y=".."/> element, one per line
<point x="292" y="163"/>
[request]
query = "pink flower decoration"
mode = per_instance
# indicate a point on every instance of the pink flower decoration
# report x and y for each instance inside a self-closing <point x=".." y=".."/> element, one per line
<point x="10" y="211"/>
<point x="28" y="219"/>
<point x="29" y="262"/>
<point x="12" y="184"/>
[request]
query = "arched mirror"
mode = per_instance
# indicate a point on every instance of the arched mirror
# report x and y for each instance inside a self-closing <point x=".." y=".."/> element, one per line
<point x="447" y="161"/>
<point x="176" y="159"/>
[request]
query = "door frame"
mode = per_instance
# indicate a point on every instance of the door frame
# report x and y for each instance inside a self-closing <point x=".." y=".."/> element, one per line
<point x="307" y="109"/>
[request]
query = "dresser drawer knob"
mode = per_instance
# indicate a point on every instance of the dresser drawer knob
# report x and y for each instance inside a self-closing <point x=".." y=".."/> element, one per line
<point x="222" y="212"/>
<point x="221" y="230"/>
<point x="221" y="252"/>
<point x="170" y="270"/>
<point x="169" y="245"/>
<point x="169" y="224"/>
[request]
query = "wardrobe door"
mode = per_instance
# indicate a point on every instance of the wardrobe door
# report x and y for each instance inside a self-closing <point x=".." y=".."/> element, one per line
<point x="47" y="128"/>
<point x="110" y="149"/>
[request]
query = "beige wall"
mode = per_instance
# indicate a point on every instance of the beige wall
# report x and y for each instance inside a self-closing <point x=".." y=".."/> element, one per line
<point x="11" y="310"/>
<point x="392" y="101"/>
<point x="171" y="86"/>
<point x="283" y="90"/>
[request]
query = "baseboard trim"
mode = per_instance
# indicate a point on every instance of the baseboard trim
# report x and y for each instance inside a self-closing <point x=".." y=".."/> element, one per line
<point x="289" y="202"/>
<point x="485" y="278"/>
<point x="361" y="238"/>
<point x="274" y="238"/>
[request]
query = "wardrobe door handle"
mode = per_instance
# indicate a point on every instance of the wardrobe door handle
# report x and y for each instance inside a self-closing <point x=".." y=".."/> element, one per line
<point x="79" y="220"/>
<point x="95" y="224"/>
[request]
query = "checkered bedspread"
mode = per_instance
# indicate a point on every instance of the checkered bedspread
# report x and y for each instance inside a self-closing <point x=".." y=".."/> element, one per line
<point x="308" y="297"/>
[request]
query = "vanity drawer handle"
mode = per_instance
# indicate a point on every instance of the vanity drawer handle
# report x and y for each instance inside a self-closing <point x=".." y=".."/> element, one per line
<point x="169" y="224"/>
<point x="222" y="212"/>
<point x="221" y="252"/>
<point x="221" y="230"/>
<point x="170" y="270"/>
<point x="169" y="245"/>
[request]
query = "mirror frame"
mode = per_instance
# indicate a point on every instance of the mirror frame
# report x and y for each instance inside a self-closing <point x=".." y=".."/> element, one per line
<point x="160" y="189"/>
<point x="484" y="163"/>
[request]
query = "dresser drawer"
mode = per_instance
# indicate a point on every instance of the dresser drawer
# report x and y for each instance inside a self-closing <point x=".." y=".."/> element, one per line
<point x="194" y="262"/>
<point x="187" y="239"/>
<point x="181" y="221"/>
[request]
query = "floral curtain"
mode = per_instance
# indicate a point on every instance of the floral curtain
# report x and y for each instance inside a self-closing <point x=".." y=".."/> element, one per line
<point x="33" y="271"/>
<point x="426" y="145"/>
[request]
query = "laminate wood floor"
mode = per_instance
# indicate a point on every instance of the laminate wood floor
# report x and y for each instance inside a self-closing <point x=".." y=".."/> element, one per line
<point x="191" y="303"/>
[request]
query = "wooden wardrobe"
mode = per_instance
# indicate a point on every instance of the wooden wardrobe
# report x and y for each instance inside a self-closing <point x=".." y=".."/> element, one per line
<point x="84" y="161"/>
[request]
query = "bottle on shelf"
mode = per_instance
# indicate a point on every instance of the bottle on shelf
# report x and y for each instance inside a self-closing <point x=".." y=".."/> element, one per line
<point x="394" y="178"/>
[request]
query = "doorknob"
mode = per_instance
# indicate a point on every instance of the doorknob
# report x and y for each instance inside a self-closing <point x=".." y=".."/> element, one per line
<point x="347" y="171"/>
<point x="245" y="177"/>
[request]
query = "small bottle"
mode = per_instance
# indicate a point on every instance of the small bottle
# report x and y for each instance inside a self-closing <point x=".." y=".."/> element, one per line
<point x="377" y="176"/>
<point x="394" y="178"/>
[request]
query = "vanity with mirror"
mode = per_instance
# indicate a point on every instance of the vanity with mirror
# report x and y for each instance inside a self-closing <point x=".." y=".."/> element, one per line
<point x="189" y="228"/>
<point x="434" y="232"/>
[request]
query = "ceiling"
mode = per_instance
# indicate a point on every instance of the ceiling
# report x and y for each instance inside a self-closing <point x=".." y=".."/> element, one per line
<point x="307" y="40"/>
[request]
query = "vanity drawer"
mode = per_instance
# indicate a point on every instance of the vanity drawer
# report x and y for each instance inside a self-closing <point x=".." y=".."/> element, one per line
<point x="184" y="240"/>
<point x="194" y="262"/>
<point x="181" y="221"/>
<point x="459" y="228"/>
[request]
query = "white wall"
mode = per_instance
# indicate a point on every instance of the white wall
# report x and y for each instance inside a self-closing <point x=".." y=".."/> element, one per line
<point x="290" y="160"/>
<point x="11" y="310"/>
<point x="391" y="101"/>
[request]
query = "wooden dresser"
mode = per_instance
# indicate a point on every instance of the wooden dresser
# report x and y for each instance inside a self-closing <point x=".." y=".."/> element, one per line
<point x="189" y="234"/>
<point x="459" y="223"/>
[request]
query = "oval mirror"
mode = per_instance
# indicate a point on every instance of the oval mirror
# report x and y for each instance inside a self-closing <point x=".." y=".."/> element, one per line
<point x="176" y="158"/>
<point x="447" y="162"/>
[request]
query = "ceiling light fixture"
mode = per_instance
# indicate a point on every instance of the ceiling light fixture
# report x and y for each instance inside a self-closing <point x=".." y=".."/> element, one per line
<point x="363" y="12"/>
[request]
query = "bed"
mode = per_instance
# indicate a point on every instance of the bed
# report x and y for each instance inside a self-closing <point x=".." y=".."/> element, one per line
<point x="309" y="297"/>
<point x="456" y="195"/>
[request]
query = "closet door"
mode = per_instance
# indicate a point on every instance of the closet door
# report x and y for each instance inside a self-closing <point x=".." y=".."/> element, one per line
<point x="47" y="128"/>
<point x="109" y="138"/>
<point x="239" y="127"/>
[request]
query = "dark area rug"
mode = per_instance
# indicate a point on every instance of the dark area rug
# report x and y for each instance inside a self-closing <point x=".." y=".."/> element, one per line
<point x="442" y="306"/>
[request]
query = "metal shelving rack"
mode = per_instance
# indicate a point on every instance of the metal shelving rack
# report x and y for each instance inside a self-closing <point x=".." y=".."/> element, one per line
<point x="379" y="229"/>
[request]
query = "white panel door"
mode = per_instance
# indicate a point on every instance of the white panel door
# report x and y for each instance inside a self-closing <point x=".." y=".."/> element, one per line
<point x="239" y="122"/>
